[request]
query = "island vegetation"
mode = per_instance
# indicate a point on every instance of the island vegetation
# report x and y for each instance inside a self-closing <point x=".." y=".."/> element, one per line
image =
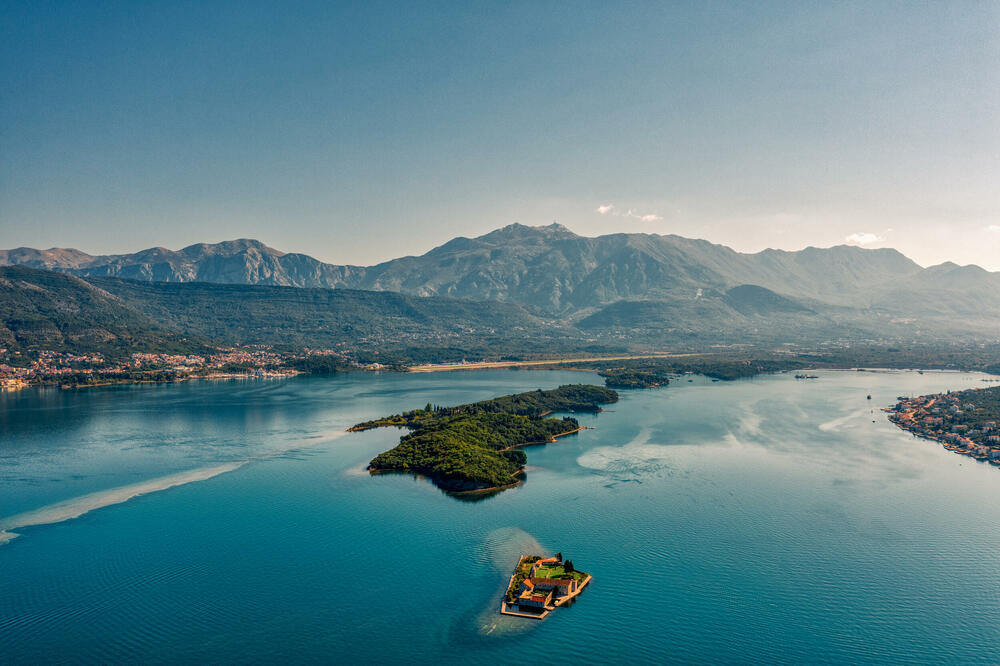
<point x="634" y="378"/>
<point x="475" y="447"/>
<point x="652" y="372"/>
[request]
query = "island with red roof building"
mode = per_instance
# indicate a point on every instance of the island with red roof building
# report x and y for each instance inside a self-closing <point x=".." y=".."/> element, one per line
<point x="540" y="584"/>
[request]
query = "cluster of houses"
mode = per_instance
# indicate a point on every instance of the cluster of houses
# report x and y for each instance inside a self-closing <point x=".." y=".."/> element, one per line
<point x="947" y="419"/>
<point x="44" y="362"/>
<point x="537" y="592"/>
<point x="547" y="583"/>
<point x="42" y="365"/>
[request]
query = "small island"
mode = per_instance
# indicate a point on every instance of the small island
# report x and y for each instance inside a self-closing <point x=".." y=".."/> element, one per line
<point x="475" y="448"/>
<point x="634" y="379"/>
<point x="540" y="584"/>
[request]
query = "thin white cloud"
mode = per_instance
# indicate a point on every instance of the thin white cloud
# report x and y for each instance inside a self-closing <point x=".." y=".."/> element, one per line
<point x="863" y="238"/>
<point x="650" y="217"/>
<point x="609" y="209"/>
<point x="994" y="228"/>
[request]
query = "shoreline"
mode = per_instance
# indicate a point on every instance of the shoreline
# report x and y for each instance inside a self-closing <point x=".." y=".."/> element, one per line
<point x="938" y="417"/>
<point x="490" y="489"/>
<point x="948" y="446"/>
<point x="133" y="382"/>
<point x="485" y="365"/>
<point x="488" y="365"/>
<point x="549" y="441"/>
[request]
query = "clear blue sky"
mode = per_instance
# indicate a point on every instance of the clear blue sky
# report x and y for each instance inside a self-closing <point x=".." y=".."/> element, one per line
<point x="357" y="132"/>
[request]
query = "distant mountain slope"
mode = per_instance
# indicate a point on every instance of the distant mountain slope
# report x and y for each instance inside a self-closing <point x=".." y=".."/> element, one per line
<point x="547" y="268"/>
<point x="240" y="261"/>
<point x="675" y="318"/>
<point x="749" y="299"/>
<point x="42" y="309"/>
<point x="318" y="317"/>
<point x="46" y="310"/>
<point x="554" y="272"/>
<point x="55" y="258"/>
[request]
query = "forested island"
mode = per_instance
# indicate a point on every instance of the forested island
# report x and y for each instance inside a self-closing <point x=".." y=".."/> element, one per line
<point x="475" y="447"/>
<point x="629" y="379"/>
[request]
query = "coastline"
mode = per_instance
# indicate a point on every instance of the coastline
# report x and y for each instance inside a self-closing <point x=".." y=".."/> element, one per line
<point x="944" y="418"/>
<point x="945" y="445"/>
<point x="487" y="365"/>
<point x="552" y="440"/>
<point x="518" y="475"/>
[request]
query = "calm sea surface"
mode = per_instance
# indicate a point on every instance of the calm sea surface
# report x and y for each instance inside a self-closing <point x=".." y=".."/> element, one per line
<point x="767" y="520"/>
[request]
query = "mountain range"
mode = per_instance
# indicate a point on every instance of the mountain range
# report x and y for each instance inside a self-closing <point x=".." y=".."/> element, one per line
<point x="41" y="309"/>
<point x="641" y="285"/>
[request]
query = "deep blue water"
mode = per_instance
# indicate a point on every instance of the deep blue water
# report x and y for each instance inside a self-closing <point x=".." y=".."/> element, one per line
<point x="768" y="520"/>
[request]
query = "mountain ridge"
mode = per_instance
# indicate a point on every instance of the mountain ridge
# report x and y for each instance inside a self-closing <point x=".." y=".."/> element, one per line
<point x="41" y="309"/>
<point x="554" y="272"/>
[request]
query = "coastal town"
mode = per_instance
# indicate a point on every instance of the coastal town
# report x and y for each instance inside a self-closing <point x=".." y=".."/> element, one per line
<point x="68" y="370"/>
<point x="963" y="421"/>
<point x="541" y="584"/>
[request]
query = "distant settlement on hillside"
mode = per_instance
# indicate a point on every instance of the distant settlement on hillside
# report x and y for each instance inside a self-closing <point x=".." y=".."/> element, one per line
<point x="60" y="368"/>
<point x="964" y="422"/>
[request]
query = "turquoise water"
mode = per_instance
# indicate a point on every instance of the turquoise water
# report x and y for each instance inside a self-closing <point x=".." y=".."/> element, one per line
<point x="767" y="520"/>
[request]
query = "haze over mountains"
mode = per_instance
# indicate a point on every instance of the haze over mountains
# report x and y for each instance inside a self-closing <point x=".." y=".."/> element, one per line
<point x="641" y="285"/>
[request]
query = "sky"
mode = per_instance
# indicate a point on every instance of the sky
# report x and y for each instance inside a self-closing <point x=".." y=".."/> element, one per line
<point x="359" y="132"/>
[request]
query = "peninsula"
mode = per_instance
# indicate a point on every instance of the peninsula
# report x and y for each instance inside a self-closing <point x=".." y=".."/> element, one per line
<point x="540" y="584"/>
<point x="963" y="421"/>
<point x="475" y="447"/>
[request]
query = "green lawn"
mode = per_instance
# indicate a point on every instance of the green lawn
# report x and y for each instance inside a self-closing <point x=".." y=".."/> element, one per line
<point x="559" y="572"/>
<point x="550" y="572"/>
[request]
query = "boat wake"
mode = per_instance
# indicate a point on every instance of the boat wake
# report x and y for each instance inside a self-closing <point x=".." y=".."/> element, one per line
<point x="835" y="424"/>
<point x="78" y="506"/>
<point x="501" y="549"/>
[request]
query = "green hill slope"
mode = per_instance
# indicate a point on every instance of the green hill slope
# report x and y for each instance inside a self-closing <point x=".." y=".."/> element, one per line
<point x="46" y="310"/>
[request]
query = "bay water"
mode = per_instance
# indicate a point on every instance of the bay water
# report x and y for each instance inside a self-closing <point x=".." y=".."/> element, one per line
<point x="763" y="520"/>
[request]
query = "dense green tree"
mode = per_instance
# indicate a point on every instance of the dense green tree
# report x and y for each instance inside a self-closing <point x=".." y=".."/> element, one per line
<point x="475" y="445"/>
